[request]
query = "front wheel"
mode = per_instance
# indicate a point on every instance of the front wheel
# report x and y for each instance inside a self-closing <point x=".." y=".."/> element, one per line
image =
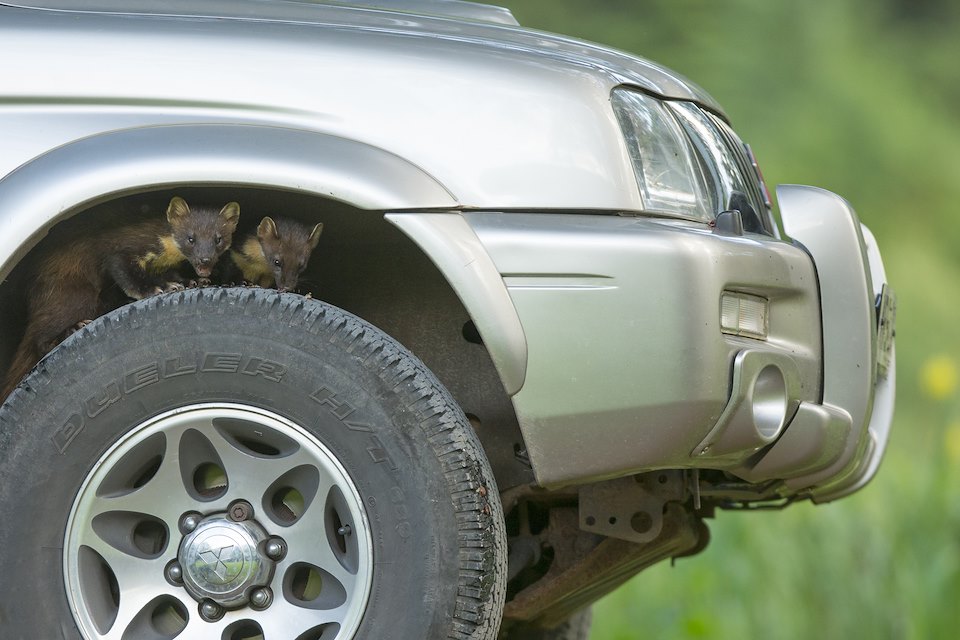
<point x="236" y="464"/>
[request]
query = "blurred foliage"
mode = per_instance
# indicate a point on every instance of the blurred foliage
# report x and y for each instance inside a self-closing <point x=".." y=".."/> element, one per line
<point x="861" y="97"/>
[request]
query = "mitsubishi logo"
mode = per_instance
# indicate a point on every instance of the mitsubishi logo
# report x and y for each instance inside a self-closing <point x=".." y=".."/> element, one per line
<point x="219" y="558"/>
<point x="213" y="559"/>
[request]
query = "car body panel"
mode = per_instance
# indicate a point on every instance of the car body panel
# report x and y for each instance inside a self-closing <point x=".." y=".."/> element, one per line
<point x="628" y="369"/>
<point x="415" y="19"/>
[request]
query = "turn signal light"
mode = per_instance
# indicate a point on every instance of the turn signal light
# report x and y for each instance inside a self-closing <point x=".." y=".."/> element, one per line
<point x="742" y="314"/>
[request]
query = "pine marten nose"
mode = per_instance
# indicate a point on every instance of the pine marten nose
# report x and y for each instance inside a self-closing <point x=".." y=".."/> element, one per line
<point x="204" y="261"/>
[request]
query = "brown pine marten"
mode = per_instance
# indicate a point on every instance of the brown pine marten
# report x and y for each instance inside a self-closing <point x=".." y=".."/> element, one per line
<point x="71" y="283"/>
<point x="275" y="256"/>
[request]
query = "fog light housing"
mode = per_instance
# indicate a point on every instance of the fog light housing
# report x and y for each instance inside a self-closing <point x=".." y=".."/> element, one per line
<point x="742" y="314"/>
<point x="768" y="402"/>
<point x="763" y="398"/>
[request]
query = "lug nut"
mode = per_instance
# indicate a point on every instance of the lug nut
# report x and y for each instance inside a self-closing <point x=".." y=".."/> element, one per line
<point x="175" y="572"/>
<point x="261" y="598"/>
<point x="190" y="521"/>
<point x="275" y="548"/>
<point x="240" y="510"/>
<point x="211" y="611"/>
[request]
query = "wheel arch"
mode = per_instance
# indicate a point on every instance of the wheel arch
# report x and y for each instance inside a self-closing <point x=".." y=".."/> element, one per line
<point x="460" y="256"/>
<point x="48" y="188"/>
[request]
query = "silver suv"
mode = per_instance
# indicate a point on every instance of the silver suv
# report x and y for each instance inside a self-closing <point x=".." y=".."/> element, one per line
<point x="551" y="325"/>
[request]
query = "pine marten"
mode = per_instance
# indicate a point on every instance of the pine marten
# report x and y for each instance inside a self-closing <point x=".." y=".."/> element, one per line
<point x="70" y="284"/>
<point x="275" y="256"/>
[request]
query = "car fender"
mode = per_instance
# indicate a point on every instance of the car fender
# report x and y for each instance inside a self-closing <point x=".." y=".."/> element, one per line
<point x="48" y="188"/>
<point x="455" y="249"/>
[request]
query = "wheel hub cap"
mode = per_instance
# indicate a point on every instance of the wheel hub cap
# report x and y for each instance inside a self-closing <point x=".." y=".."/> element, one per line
<point x="222" y="561"/>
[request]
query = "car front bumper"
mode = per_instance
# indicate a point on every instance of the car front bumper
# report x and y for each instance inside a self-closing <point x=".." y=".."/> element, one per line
<point x="858" y="310"/>
<point x="608" y="332"/>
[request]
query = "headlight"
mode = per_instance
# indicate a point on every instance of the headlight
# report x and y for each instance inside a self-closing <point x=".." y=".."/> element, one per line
<point x="731" y="176"/>
<point x="668" y="170"/>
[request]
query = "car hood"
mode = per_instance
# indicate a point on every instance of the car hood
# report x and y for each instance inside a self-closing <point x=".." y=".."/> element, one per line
<point x="463" y="21"/>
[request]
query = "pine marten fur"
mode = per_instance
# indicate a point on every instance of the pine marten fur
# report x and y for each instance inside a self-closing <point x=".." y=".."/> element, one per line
<point x="69" y="285"/>
<point x="276" y="255"/>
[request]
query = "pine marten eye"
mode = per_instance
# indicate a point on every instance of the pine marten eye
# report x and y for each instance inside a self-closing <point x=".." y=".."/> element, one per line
<point x="276" y="262"/>
<point x="191" y="239"/>
<point x="219" y="240"/>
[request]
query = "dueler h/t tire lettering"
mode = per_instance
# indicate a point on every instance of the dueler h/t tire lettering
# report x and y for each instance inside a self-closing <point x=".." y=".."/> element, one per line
<point x="149" y="426"/>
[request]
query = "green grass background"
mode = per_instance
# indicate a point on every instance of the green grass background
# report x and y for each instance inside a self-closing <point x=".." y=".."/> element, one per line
<point x="861" y="97"/>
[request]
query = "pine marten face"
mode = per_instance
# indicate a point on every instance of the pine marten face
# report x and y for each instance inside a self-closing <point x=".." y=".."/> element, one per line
<point x="286" y="247"/>
<point x="202" y="234"/>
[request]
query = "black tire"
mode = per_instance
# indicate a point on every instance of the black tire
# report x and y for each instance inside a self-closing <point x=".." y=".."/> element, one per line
<point x="576" y="627"/>
<point x="433" y="517"/>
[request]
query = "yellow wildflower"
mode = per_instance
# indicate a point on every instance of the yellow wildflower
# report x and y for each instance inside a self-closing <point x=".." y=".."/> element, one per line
<point x="938" y="377"/>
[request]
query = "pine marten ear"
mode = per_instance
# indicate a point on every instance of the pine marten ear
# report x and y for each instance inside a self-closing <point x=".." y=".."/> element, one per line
<point x="230" y="215"/>
<point x="178" y="210"/>
<point x="315" y="236"/>
<point x="268" y="229"/>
